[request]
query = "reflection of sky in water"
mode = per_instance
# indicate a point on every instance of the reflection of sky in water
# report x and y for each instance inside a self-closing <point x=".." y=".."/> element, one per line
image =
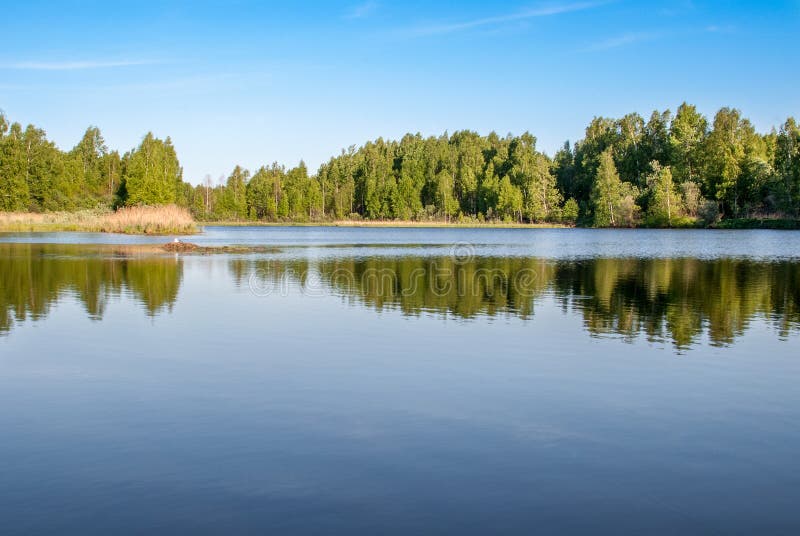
<point x="551" y="243"/>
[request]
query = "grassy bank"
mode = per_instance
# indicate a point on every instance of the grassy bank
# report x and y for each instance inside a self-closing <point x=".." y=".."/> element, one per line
<point x="388" y="224"/>
<point x="168" y="220"/>
<point x="677" y="223"/>
<point x="757" y="223"/>
<point x="133" y="220"/>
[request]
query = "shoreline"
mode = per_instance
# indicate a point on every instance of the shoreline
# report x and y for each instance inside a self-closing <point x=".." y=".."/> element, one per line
<point x="141" y="250"/>
<point x="153" y="225"/>
<point x="730" y="224"/>
<point x="387" y="224"/>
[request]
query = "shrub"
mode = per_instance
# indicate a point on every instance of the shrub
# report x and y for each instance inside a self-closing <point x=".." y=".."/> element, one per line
<point x="570" y="211"/>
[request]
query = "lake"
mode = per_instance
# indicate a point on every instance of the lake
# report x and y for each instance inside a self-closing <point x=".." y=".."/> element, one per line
<point x="400" y="381"/>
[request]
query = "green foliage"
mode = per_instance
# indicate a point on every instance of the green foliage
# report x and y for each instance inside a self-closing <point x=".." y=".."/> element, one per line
<point x="14" y="192"/>
<point x="613" y="201"/>
<point x="664" y="199"/>
<point x="786" y="183"/>
<point x="150" y="173"/>
<point x="709" y="213"/>
<point x="509" y="201"/>
<point x="570" y="211"/>
<point x="691" y="198"/>
<point x="757" y="223"/>
<point x="232" y="204"/>
<point x="670" y="169"/>
<point x="687" y="134"/>
<point x="263" y="192"/>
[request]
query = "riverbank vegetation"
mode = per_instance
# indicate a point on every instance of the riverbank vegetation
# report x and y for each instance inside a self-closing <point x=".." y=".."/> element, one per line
<point x="167" y="219"/>
<point x="671" y="170"/>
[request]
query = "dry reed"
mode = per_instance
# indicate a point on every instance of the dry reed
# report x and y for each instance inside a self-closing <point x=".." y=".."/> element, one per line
<point x="168" y="219"/>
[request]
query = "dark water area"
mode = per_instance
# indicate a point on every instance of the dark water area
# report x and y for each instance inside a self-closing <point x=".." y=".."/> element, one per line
<point x="402" y="381"/>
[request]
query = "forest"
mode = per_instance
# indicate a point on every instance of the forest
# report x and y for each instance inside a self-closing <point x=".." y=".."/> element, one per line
<point x="670" y="170"/>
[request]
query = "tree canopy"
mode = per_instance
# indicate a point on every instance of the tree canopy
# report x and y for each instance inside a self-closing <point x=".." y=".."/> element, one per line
<point x="664" y="170"/>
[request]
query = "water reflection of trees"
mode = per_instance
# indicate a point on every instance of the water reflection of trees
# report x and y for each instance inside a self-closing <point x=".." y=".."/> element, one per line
<point x="34" y="276"/>
<point x="680" y="298"/>
<point x="664" y="299"/>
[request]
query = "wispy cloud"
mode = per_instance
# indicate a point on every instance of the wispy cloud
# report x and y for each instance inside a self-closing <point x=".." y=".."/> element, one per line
<point x="640" y="37"/>
<point x="624" y="40"/>
<point x="677" y="8"/>
<point x="362" y="10"/>
<point x="72" y="65"/>
<point x="199" y="83"/>
<point x="530" y="13"/>
<point x="721" y="28"/>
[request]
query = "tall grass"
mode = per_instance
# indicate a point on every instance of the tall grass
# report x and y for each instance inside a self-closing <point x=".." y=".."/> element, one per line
<point x="168" y="219"/>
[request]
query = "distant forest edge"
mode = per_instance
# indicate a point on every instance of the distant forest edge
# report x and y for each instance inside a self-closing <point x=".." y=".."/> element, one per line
<point x="669" y="171"/>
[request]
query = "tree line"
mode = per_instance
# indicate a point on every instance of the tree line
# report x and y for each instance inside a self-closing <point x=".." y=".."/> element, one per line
<point x="668" y="170"/>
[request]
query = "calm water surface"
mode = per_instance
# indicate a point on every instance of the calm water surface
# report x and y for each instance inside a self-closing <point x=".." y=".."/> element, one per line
<point x="402" y="381"/>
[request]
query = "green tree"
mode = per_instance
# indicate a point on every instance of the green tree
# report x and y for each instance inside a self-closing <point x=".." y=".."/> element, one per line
<point x="656" y="139"/>
<point x="692" y="199"/>
<point x="262" y="192"/>
<point x="314" y="199"/>
<point x="787" y="167"/>
<point x="293" y="200"/>
<point x="91" y="153"/>
<point x="607" y="192"/>
<point x="470" y="147"/>
<point x="631" y="147"/>
<point x="509" y="201"/>
<point x="530" y="174"/>
<point x="564" y="171"/>
<point x="490" y="190"/>
<point x="53" y="181"/>
<point x="601" y="134"/>
<point x="673" y="162"/>
<point x="724" y="153"/>
<point x="665" y="201"/>
<point x="233" y="204"/>
<point x="150" y="173"/>
<point x="687" y="135"/>
<point x="570" y="211"/>
<point x="14" y="192"/>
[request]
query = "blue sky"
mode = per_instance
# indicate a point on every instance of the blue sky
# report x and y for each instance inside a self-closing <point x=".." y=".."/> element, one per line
<point x="255" y="82"/>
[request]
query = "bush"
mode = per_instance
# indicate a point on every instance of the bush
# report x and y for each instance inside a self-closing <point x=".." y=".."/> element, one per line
<point x="756" y="223"/>
<point x="570" y="211"/>
<point x="709" y="213"/>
